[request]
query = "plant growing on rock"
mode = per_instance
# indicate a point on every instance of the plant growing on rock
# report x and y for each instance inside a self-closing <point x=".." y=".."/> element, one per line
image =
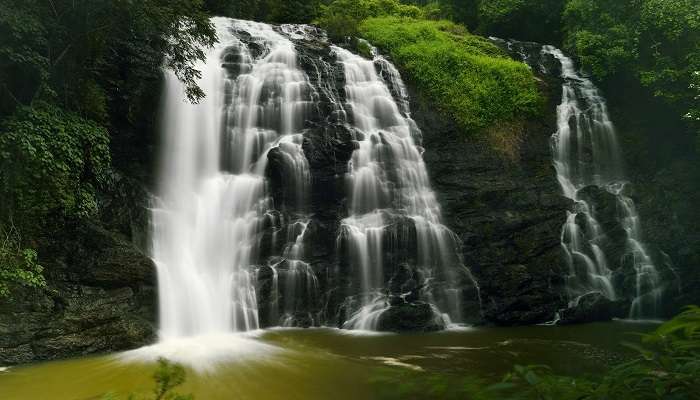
<point x="18" y="265"/>
<point x="466" y="76"/>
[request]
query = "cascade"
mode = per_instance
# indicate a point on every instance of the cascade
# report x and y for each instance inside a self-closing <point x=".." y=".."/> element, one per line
<point x="391" y="204"/>
<point x="240" y="207"/>
<point x="602" y="236"/>
<point x="213" y="201"/>
<point x="586" y="153"/>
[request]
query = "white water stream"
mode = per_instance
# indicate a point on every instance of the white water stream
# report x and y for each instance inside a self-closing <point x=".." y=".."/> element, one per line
<point x="213" y="201"/>
<point x="218" y="235"/>
<point x="586" y="152"/>
<point x="388" y="181"/>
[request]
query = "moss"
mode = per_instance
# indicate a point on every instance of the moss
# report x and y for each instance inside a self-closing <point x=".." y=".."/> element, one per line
<point x="466" y="76"/>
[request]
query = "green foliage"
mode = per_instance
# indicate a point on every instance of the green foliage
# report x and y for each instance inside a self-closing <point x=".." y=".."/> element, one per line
<point x="277" y="11"/>
<point x="80" y="53"/>
<point x="23" y="63"/>
<point x="18" y="265"/>
<point x="462" y="11"/>
<point x="69" y="71"/>
<point x="538" y="382"/>
<point x="693" y="115"/>
<point x="294" y="11"/>
<point x="51" y="161"/>
<point x="599" y="34"/>
<point x="434" y="10"/>
<point x="341" y="18"/>
<point x="669" y="47"/>
<point x="536" y="20"/>
<point x="466" y="76"/>
<point x="652" y="43"/>
<point x="167" y="378"/>
<point x="667" y="366"/>
<point x="392" y="383"/>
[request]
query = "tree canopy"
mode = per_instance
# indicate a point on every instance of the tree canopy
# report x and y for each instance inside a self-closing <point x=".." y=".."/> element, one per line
<point x="75" y="74"/>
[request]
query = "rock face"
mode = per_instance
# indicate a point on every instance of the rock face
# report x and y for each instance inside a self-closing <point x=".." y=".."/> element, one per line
<point x="322" y="286"/>
<point x="653" y="256"/>
<point x="667" y="202"/>
<point x="415" y="316"/>
<point x="664" y="169"/>
<point x="99" y="298"/>
<point x="507" y="209"/>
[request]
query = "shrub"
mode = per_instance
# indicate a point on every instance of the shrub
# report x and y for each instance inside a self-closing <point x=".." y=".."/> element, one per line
<point x="167" y="378"/>
<point x="51" y="161"/>
<point x="466" y="76"/>
<point x="18" y="265"/>
<point x="537" y="20"/>
<point x="341" y="18"/>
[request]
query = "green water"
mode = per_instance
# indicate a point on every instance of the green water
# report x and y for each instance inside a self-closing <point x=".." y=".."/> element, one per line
<point x="327" y="363"/>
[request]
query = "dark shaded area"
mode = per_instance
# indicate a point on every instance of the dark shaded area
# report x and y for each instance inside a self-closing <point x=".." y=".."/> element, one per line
<point x="100" y="298"/>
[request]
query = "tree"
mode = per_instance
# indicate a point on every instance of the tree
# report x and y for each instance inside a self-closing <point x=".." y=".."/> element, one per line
<point x="52" y="161"/>
<point x="341" y="18"/>
<point x="651" y="43"/>
<point x="70" y="51"/>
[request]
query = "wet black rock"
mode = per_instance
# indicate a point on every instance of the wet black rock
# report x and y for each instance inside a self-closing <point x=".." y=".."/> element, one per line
<point x="506" y="207"/>
<point x="410" y="317"/>
<point x="593" y="307"/>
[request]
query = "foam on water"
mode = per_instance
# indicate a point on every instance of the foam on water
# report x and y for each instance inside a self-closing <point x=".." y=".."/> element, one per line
<point x="206" y="352"/>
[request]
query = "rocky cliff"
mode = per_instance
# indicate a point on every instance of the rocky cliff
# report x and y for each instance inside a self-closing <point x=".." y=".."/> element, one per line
<point x="100" y="297"/>
<point x="506" y="207"/>
<point x="100" y="294"/>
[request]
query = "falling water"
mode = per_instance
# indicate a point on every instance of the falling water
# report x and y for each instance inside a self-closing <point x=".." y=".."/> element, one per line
<point x="586" y="153"/>
<point x="213" y="202"/>
<point x="234" y="221"/>
<point x="389" y="186"/>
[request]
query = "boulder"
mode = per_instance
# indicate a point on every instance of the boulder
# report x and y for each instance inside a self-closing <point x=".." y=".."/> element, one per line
<point x="410" y="317"/>
<point x="593" y="307"/>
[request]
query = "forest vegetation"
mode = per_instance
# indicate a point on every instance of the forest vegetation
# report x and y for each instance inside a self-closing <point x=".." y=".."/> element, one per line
<point x="78" y="84"/>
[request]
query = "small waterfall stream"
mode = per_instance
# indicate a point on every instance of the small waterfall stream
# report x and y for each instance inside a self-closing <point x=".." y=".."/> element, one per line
<point x="586" y="156"/>
<point x="602" y="235"/>
<point x="391" y="203"/>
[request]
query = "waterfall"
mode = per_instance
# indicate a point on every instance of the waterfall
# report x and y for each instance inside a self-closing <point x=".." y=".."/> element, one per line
<point x="586" y="154"/>
<point x="391" y="204"/>
<point x="213" y="202"/>
<point x="240" y="206"/>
